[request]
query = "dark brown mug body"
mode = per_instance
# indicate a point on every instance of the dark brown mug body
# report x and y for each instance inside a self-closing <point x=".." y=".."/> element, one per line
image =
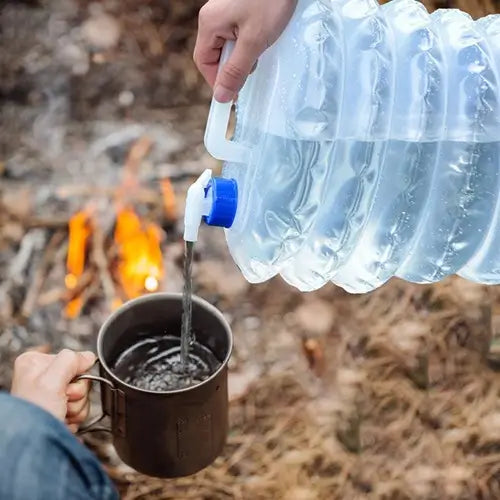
<point x="165" y="434"/>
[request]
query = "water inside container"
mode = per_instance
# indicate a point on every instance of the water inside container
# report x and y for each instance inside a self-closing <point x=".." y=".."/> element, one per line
<point x="154" y="364"/>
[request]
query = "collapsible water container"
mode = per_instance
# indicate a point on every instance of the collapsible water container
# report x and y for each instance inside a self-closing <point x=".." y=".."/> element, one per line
<point x="367" y="146"/>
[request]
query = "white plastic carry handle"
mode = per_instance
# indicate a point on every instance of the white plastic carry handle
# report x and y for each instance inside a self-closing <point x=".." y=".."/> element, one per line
<point x="217" y="124"/>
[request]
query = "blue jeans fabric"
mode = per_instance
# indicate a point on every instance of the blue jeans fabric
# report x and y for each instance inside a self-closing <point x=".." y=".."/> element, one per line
<point x="40" y="459"/>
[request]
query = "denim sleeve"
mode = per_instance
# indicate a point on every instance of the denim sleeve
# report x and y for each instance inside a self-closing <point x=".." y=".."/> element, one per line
<point x="41" y="459"/>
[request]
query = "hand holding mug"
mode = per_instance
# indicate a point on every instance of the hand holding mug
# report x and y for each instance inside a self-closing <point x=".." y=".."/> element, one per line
<point x="45" y="380"/>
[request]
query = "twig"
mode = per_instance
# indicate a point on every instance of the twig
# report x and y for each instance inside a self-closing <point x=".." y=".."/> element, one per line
<point x="40" y="273"/>
<point x="83" y="282"/>
<point x="130" y="182"/>
<point x="177" y="172"/>
<point x="240" y="452"/>
<point x="54" y="294"/>
<point x="88" y="294"/>
<point x="101" y="262"/>
<point x="46" y="222"/>
<point x="137" y="153"/>
<point x="140" y="194"/>
<point x="31" y="241"/>
<point x="51" y="296"/>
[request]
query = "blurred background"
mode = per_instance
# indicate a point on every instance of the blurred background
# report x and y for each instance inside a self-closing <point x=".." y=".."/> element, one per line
<point x="390" y="395"/>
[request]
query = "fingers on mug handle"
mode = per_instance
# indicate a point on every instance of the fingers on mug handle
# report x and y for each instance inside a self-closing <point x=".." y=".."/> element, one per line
<point x="77" y="391"/>
<point x="89" y="427"/>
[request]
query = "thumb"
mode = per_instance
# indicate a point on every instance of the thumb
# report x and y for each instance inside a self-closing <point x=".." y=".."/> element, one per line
<point x="66" y="366"/>
<point x="235" y="71"/>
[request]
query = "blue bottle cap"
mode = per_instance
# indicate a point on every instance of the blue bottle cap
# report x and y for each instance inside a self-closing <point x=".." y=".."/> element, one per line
<point x="224" y="193"/>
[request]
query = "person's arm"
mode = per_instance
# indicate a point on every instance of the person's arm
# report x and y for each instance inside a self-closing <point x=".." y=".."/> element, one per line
<point x="40" y="457"/>
<point x="254" y="24"/>
<point x="45" y="380"/>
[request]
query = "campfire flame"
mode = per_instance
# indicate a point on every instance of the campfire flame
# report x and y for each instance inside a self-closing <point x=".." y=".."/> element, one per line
<point x="80" y="227"/>
<point x="140" y="268"/>
<point x="137" y="243"/>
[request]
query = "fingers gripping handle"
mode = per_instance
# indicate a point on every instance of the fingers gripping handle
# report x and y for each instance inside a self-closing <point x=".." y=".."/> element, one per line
<point x="90" y="426"/>
<point x="218" y="121"/>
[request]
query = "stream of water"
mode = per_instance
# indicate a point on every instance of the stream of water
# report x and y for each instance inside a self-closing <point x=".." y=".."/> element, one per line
<point x="159" y="363"/>
<point x="187" y="306"/>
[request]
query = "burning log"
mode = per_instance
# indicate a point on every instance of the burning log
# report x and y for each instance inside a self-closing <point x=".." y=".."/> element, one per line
<point x="101" y="261"/>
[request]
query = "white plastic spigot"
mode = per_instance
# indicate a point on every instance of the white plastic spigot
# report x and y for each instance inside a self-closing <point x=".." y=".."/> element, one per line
<point x="197" y="206"/>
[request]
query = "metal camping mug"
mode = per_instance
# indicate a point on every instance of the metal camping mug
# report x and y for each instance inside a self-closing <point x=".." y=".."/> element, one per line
<point x="164" y="434"/>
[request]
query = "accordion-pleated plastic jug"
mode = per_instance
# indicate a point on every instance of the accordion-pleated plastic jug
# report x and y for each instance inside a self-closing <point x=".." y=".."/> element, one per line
<point x="367" y="146"/>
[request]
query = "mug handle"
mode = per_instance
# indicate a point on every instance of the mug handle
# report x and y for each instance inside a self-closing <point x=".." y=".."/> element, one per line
<point x="90" y="426"/>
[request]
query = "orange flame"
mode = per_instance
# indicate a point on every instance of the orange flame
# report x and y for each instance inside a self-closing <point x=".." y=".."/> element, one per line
<point x="140" y="268"/>
<point x="73" y="307"/>
<point x="80" y="228"/>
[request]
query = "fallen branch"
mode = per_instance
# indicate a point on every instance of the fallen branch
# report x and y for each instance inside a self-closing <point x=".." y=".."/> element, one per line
<point x="40" y="274"/>
<point x="46" y="222"/>
<point x="101" y="262"/>
<point x="32" y="241"/>
<point x="84" y="281"/>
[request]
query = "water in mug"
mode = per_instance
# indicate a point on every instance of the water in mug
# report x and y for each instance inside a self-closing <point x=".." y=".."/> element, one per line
<point x="154" y="364"/>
